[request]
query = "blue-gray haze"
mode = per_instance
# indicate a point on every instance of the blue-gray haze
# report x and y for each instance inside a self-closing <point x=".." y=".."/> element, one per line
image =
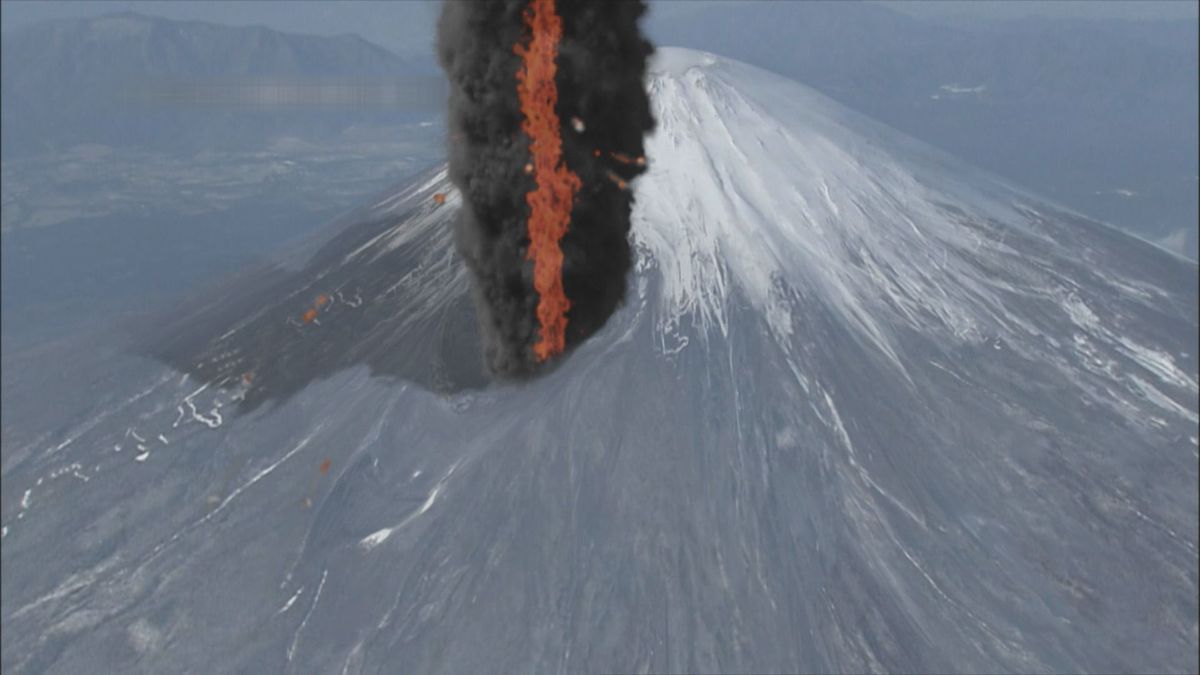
<point x="866" y="408"/>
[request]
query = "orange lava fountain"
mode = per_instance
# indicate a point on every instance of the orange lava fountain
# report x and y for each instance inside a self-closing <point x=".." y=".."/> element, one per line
<point x="551" y="201"/>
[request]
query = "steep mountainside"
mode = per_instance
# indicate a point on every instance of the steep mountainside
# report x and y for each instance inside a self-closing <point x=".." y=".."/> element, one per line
<point x="865" y="409"/>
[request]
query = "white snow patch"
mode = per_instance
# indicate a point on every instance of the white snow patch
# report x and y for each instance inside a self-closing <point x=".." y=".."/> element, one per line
<point x="1080" y="314"/>
<point x="959" y="89"/>
<point x="144" y="636"/>
<point x="379" y="536"/>
<point x="74" y="582"/>
<point x="291" y="601"/>
<point x="304" y="622"/>
<point x="851" y="456"/>
<point x="1161" y="400"/>
<point x="376" y="538"/>
<point x="108" y="412"/>
<point x="1159" y="363"/>
<point x="213" y="420"/>
<point x="1120" y="192"/>
<point x="266" y="471"/>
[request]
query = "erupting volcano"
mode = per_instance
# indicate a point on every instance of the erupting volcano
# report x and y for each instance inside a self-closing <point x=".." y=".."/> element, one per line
<point x="545" y="223"/>
<point x="550" y="204"/>
<point x="865" y="409"/>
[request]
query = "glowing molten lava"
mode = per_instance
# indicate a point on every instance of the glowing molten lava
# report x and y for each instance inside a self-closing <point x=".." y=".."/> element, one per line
<point x="551" y="201"/>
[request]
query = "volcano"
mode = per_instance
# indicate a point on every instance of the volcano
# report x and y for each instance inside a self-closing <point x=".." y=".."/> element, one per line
<point x="864" y="408"/>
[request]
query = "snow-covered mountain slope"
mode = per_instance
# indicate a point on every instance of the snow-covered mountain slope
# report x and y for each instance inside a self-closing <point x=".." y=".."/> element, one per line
<point x="865" y="409"/>
<point x="762" y="184"/>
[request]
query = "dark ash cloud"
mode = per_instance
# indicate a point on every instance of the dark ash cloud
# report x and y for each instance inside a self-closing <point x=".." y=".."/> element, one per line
<point x="601" y="68"/>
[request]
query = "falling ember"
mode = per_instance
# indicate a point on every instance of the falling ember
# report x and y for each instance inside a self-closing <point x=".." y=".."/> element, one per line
<point x="310" y="315"/>
<point x="617" y="180"/>
<point x="626" y="159"/>
<point x="325" y="466"/>
<point x="439" y="198"/>
<point x="322" y="300"/>
<point x="551" y="201"/>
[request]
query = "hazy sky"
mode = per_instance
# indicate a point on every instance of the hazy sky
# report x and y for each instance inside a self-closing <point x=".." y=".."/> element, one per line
<point x="1079" y="9"/>
<point x="399" y="26"/>
<point x="407" y="26"/>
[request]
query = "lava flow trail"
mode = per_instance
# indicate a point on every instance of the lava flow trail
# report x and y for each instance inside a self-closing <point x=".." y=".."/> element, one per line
<point x="550" y="203"/>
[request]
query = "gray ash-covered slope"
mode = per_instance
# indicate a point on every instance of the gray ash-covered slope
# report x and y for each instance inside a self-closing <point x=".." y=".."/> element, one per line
<point x="865" y="409"/>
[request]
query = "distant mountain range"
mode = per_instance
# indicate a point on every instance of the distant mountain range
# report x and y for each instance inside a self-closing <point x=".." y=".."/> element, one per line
<point x="133" y="80"/>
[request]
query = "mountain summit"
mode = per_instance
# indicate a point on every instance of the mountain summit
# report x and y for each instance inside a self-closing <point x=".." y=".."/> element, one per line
<point x="864" y="409"/>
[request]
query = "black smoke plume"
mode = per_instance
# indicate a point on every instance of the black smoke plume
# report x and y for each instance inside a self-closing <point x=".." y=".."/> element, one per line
<point x="601" y="68"/>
